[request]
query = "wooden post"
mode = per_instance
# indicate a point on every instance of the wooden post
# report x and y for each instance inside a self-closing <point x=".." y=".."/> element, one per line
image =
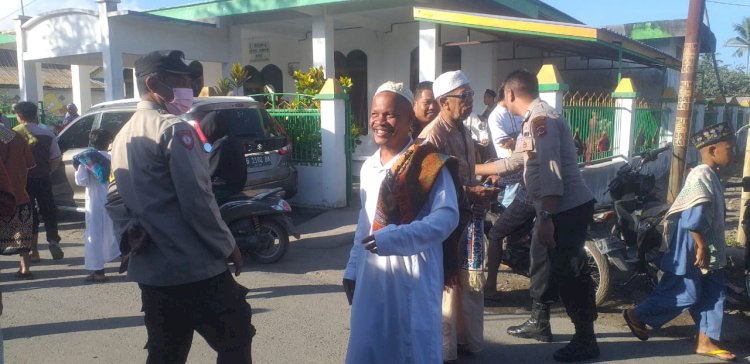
<point x="685" y="97"/>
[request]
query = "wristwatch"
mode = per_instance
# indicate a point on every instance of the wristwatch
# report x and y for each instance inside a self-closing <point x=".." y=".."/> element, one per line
<point x="544" y="215"/>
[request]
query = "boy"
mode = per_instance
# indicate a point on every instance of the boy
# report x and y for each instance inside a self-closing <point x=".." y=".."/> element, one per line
<point x="696" y="254"/>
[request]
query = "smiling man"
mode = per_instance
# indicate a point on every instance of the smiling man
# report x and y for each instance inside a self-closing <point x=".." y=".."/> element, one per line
<point x="408" y="210"/>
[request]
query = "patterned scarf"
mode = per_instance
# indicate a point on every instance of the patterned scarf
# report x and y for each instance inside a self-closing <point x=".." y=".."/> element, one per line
<point x="95" y="162"/>
<point x="702" y="185"/>
<point x="473" y="253"/>
<point x="25" y="133"/>
<point x="405" y="190"/>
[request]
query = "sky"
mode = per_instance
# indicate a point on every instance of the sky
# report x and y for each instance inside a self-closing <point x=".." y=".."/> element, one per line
<point x="722" y="14"/>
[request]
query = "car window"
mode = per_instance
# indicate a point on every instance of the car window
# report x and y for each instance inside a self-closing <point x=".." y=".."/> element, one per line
<point x="77" y="134"/>
<point x="246" y="122"/>
<point x="113" y="121"/>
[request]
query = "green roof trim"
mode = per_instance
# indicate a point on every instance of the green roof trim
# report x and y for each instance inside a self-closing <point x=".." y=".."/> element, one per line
<point x="7" y="38"/>
<point x="332" y="97"/>
<point x="549" y="87"/>
<point x="233" y="7"/>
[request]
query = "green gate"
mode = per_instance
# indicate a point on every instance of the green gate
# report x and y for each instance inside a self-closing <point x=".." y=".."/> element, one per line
<point x="299" y="115"/>
<point x="650" y="120"/>
<point x="595" y="123"/>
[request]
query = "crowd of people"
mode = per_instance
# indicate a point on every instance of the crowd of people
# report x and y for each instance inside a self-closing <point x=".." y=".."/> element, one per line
<point x="415" y="270"/>
<point x="415" y="275"/>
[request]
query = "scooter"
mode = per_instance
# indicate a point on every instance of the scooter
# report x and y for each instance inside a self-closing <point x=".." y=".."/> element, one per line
<point x="260" y="224"/>
<point x="629" y="232"/>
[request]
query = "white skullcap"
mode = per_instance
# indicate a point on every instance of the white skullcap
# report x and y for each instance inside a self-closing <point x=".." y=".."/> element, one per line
<point x="448" y="82"/>
<point x="397" y="88"/>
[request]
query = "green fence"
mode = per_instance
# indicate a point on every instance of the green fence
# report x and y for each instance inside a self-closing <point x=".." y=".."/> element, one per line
<point x="596" y="126"/>
<point x="649" y="121"/>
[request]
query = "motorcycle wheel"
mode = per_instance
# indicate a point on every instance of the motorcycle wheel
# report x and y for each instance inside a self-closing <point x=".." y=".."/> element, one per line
<point x="599" y="268"/>
<point x="279" y="246"/>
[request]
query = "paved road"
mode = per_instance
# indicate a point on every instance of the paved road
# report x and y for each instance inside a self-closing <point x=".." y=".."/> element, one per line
<point x="299" y="311"/>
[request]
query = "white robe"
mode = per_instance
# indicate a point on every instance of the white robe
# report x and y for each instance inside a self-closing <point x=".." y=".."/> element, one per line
<point x="396" y="310"/>
<point x="100" y="245"/>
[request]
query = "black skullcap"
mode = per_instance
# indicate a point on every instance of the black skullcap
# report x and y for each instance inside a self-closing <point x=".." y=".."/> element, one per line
<point x="162" y="61"/>
<point x="712" y="135"/>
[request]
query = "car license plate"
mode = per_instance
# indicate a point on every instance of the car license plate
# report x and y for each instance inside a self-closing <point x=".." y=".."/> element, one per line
<point x="256" y="161"/>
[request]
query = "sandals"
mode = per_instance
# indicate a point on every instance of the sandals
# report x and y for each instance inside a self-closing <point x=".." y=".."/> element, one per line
<point x="716" y="354"/>
<point x="93" y="278"/>
<point x="640" y="332"/>
<point x="24" y="276"/>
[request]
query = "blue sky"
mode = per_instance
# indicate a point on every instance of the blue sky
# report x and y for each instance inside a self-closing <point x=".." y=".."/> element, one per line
<point x="592" y="12"/>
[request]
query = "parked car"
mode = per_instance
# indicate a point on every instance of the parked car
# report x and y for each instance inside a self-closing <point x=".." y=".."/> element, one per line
<point x="267" y="149"/>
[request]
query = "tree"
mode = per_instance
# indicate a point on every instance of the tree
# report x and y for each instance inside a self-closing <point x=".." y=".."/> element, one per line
<point x="735" y="81"/>
<point x="741" y="41"/>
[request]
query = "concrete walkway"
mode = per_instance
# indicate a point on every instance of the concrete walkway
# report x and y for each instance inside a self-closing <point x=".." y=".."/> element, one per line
<point x="299" y="309"/>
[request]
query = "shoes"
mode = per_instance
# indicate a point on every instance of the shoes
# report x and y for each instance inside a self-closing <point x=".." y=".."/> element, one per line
<point x="578" y="350"/>
<point x="55" y="250"/>
<point x="537" y="327"/>
<point x="94" y="278"/>
<point x="25" y="276"/>
<point x="640" y="332"/>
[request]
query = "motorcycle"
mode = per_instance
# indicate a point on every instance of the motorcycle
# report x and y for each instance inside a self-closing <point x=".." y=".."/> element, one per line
<point x="516" y="255"/>
<point x="260" y="224"/>
<point x="628" y="233"/>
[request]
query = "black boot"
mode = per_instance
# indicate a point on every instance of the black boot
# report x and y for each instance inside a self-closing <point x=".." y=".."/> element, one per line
<point x="583" y="346"/>
<point x="536" y="327"/>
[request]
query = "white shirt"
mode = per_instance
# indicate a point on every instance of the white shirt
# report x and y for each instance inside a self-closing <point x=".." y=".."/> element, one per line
<point x="503" y="125"/>
<point x="396" y="310"/>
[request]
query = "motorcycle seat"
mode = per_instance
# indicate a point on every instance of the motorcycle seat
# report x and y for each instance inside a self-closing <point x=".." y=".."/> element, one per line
<point x="655" y="210"/>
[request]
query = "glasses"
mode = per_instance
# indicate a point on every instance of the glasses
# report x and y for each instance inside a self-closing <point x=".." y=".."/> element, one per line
<point x="464" y="95"/>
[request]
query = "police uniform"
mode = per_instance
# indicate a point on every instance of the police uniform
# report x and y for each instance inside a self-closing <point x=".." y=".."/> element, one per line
<point x="551" y="170"/>
<point x="161" y="177"/>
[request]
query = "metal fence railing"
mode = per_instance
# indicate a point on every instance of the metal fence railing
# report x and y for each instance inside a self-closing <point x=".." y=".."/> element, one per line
<point x="595" y="123"/>
<point x="650" y="119"/>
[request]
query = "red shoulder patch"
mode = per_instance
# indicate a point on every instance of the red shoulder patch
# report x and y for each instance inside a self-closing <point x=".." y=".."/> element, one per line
<point x="186" y="138"/>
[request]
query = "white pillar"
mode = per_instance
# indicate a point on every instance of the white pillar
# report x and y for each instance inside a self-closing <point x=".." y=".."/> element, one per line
<point x="323" y="45"/>
<point x="625" y="114"/>
<point x="111" y="57"/>
<point x="699" y="111"/>
<point x="720" y="109"/>
<point x="81" y="81"/>
<point x="430" y="56"/>
<point x="333" y="141"/>
<point x="551" y="86"/>
<point x="236" y="49"/>
<point x="29" y="72"/>
<point x="625" y="95"/>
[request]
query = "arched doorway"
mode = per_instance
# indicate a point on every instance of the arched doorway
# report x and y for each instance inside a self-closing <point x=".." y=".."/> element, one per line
<point x="272" y="75"/>
<point x="354" y="65"/>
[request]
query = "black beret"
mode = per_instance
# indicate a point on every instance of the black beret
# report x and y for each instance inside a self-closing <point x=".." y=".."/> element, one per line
<point x="162" y="61"/>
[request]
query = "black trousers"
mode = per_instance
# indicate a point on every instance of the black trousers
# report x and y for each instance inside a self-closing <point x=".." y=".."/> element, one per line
<point x="216" y="308"/>
<point x="513" y="220"/>
<point x="563" y="272"/>
<point x="40" y="192"/>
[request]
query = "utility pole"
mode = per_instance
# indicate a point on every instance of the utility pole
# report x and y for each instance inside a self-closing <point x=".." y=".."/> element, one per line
<point x="685" y="97"/>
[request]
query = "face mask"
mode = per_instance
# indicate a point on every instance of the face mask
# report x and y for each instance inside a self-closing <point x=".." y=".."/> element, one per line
<point x="183" y="100"/>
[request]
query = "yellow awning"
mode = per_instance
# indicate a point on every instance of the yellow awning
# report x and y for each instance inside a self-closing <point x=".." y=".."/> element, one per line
<point x="571" y="38"/>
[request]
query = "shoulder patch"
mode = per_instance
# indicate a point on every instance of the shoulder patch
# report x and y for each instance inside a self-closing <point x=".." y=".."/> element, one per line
<point x="186" y="138"/>
<point x="540" y="127"/>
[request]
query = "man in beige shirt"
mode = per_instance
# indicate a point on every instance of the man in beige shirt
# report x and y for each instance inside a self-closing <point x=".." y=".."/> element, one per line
<point x="463" y="303"/>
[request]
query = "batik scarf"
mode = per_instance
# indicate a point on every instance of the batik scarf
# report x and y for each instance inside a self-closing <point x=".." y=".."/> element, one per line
<point x="473" y="253"/>
<point x="25" y="133"/>
<point x="95" y="162"/>
<point x="702" y="186"/>
<point x="406" y="188"/>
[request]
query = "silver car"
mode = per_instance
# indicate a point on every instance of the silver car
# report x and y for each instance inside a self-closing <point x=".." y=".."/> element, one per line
<point x="266" y="147"/>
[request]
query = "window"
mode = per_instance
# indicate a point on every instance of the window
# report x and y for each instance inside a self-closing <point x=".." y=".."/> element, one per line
<point x="77" y="135"/>
<point x="113" y="121"/>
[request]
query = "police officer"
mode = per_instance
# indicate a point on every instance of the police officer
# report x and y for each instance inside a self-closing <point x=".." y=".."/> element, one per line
<point x="564" y="209"/>
<point x="179" y="261"/>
